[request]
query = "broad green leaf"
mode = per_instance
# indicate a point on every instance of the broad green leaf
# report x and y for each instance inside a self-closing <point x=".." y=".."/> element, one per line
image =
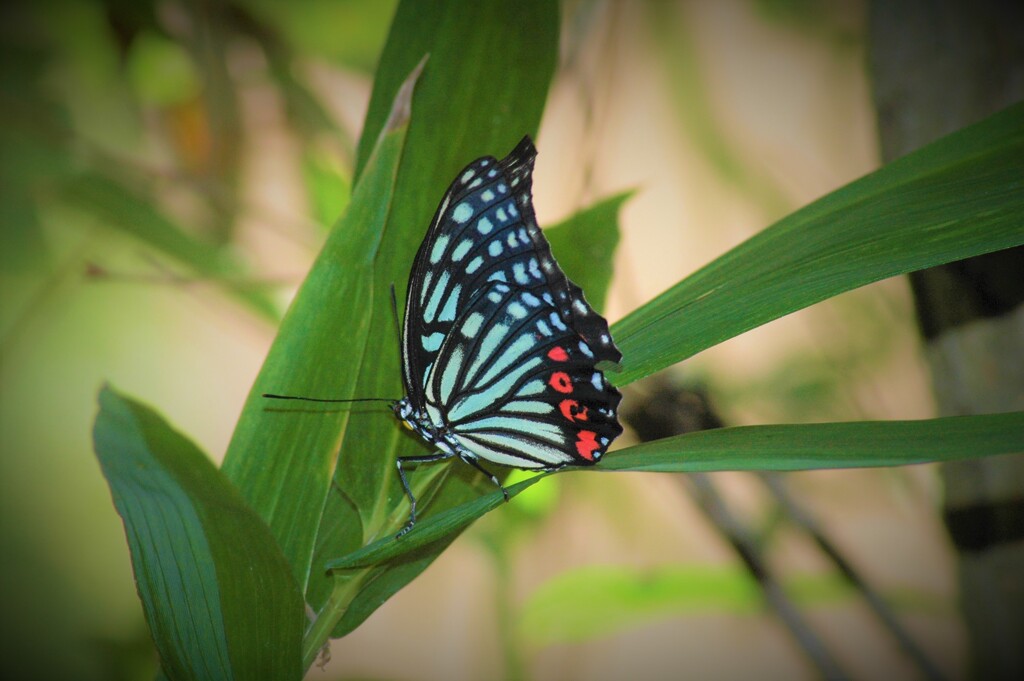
<point x="958" y="197"/>
<point x="584" y="246"/>
<point x="282" y="456"/>
<point x="132" y="212"/>
<point x="596" y="601"/>
<point x="217" y="593"/>
<point x="780" y="448"/>
<point x="483" y="88"/>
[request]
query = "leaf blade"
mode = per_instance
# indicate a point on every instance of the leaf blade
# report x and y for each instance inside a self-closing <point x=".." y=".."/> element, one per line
<point x="216" y="591"/>
<point x="790" y="447"/>
<point x="955" y="198"/>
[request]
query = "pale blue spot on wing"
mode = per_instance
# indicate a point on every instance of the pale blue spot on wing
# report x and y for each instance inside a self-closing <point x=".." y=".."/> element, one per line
<point x="516" y="310"/>
<point x="439" y="247"/>
<point x="429" y="277"/>
<point x="451" y="305"/>
<point x="462" y="213"/>
<point x="494" y="248"/>
<point x="529" y="407"/>
<point x="488" y="195"/>
<point x="531" y="427"/>
<point x="491" y="340"/>
<point x="434" y="414"/>
<point x="480" y="400"/>
<point x="471" y="326"/>
<point x="450" y="373"/>
<point x="519" y="273"/>
<point x="513" y="353"/>
<point x="435" y="298"/>
<point x="530" y="299"/>
<point x="462" y="249"/>
<point x="556" y="321"/>
<point x="474" y="264"/>
<point x="484" y="226"/>
<point x="488" y="453"/>
<point x="535" y="387"/>
<point x="432" y="342"/>
<point x="551" y="456"/>
<point x="597" y="381"/>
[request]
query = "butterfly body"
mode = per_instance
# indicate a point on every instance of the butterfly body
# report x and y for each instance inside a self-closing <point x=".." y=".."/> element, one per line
<point x="499" y="347"/>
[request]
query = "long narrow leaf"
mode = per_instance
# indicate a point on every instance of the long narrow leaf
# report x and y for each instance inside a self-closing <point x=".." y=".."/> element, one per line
<point x="216" y="591"/>
<point x="811" y="446"/>
<point x="131" y="211"/>
<point x="282" y="456"/>
<point x="780" y="448"/>
<point x="958" y="197"/>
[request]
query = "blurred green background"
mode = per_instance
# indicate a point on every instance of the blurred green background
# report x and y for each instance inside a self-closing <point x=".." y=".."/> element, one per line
<point x="168" y="171"/>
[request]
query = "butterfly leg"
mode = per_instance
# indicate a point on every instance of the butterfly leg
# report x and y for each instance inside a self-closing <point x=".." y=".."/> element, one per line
<point x="493" y="478"/>
<point x="428" y="458"/>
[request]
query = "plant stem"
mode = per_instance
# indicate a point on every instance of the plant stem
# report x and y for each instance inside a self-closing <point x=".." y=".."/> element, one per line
<point x="319" y="631"/>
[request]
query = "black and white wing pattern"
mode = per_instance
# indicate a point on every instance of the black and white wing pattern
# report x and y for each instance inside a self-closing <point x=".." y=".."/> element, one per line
<point x="499" y="348"/>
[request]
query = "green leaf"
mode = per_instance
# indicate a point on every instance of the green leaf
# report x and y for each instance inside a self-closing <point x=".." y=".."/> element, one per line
<point x="348" y="32"/>
<point x="780" y="448"/>
<point x="282" y="456"/>
<point x="160" y="70"/>
<point x="596" y="601"/>
<point x="811" y="446"/>
<point x="958" y="197"/>
<point x="135" y="213"/>
<point x="216" y="591"/>
<point x="443" y="525"/>
<point x="584" y="246"/>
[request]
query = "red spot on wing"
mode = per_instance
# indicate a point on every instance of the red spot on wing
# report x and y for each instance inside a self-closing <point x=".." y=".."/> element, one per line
<point x="558" y="354"/>
<point x="586" y="444"/>
<point x="561" y="382"/>
<point x="571" y="410"/>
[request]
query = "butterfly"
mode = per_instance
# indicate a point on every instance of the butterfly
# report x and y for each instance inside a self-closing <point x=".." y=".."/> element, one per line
<point x="499" y="348"/>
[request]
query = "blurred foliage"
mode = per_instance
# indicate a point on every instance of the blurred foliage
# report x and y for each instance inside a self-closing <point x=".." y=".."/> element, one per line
<point x="597" y="601"/>
<point x="122" y="142"/>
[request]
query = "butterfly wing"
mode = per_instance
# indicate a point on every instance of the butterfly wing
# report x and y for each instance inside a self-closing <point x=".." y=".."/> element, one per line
<point x="499" y="347"/>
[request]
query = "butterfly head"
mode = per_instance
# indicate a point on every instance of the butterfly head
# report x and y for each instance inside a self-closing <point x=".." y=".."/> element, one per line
<point x="403" y="410"/>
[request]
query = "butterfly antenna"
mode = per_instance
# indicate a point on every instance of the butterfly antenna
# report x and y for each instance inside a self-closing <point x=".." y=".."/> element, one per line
<point x="272" y="396"/>
<point x="398" y="325"/>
